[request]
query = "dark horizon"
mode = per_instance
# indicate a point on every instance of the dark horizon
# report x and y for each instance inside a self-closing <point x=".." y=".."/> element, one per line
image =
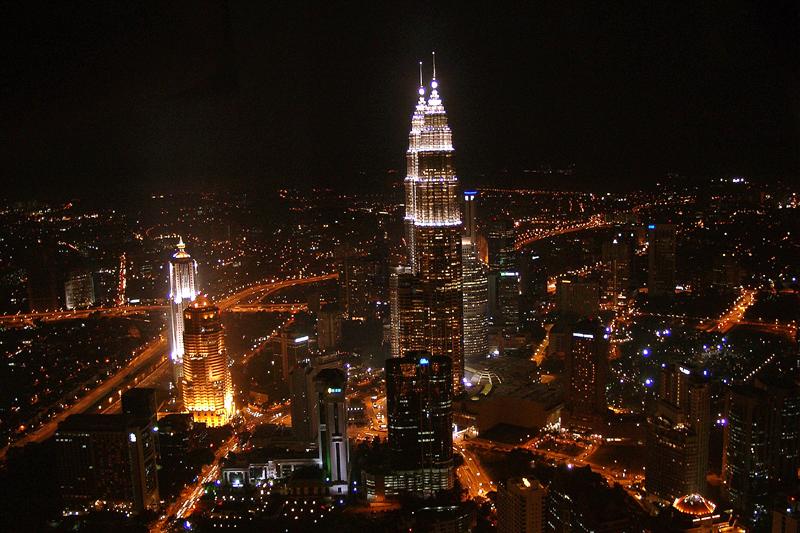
<point x="213" y="95"/>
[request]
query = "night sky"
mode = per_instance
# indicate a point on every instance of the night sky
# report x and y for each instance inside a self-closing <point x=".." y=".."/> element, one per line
<point x="123" y="96"/>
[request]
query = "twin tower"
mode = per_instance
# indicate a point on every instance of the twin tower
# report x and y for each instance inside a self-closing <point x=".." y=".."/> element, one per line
<point x="426" y="292"/>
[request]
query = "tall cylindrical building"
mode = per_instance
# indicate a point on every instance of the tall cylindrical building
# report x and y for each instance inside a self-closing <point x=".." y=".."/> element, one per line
<point x="182" y="291"/>
<point x="207" y="385"/>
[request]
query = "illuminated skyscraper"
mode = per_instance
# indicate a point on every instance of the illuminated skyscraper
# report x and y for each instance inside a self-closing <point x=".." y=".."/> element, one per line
<point x="330" y="385"/>
<point x="587" y="374"/>
<point x="182" y="291"/>
<point x="434" y="240"/>
<point x="207" y="385"/>
<point x="475" y="286"/>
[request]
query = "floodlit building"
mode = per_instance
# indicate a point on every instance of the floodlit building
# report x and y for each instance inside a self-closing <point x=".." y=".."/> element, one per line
<point x="182" y="291"/>
<point x="207" y="385"/>
<point x="433" y="228"/>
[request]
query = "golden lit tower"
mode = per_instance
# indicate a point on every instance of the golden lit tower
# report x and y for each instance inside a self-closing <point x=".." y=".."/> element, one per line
<point x="182" y="291"/>
<point x="207" y="385"/>
<point x="435" y="219"/>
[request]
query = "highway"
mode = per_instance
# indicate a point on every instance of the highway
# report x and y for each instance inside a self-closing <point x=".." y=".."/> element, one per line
<point x="129" y="375"/>
<point x="536" y="234"/>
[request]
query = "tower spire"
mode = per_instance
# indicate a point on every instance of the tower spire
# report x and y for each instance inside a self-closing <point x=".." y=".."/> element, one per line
<point x="420" y="73"/>
<point x="433" y="55"/>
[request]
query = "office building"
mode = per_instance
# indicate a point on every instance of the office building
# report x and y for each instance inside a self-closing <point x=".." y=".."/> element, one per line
<point x="182" y="291"/>
<point x="329" y="328"/>
<point x="302" y="408"/>
<point x="409" y="312"/>
<point x="331" y="410"/>
<point x="433" y="223"/>
<point x="678" y="432"/>
<point x="761" y="444"/>
<point x="521" y="506"/>
<point x="661" y="240"/>
<point x="356" y="277"/>
<point x="79" y="290"/>
<point x="207" y="385"/>
<point x="504" y="277"/>
<point x="618" y="255"/>
<point x="107" y="461"/>
<point x="475" y="288"/>
<point x="578" y="298"/>
<point x="420" y="415"/>
<point x="587" y="375"/>
<point x="293" y="348"/>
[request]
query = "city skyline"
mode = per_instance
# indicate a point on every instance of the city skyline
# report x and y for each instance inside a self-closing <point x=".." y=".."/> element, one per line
<point x="248" y="281"/>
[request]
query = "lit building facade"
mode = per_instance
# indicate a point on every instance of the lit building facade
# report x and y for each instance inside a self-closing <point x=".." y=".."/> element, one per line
<point x="504" y="298"/>
<point x="475" y="287"/>
<point x="761" y="444"/>
<point x="182" y="291"/>
<point x="587" y="374"/>
<point x="420" y="419"/>
<point x="107" y="461"/>
<point x="433" y="223"/>
<point x="521" y="506"/>
<point x="661" y="259"/>
<point x="334" y="454"/>
<point x="79" y="290"/>
<point x="207" y="385"/>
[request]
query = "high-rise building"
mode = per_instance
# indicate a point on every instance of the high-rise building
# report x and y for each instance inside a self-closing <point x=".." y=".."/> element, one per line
<point x="420" y="417"/>
<point x="474" y="286"/>
<point x="331" y="389"/>
<point x="678" y="433"/>
<point x="521" y="506"/>
<point x="618" y="254"/>
<point x="761" y="444"/>
<point x="207" y="385"/>
<point x="587" y="374"/>
<point x="504" y="280"/>
<point x="329" y="327"/>
<point x="79" y="290"/>
<point x="433" y="220"/>
<point x="661" y="259"/>
<point x="108" y="460"/>
<point x="578" y="298"/>
<point x="409" y="312"/>
<point x="302" y="408"/>
<point x="182" y="291"/>
<point x="356" y="277"/>
<point x="293" y="347"/>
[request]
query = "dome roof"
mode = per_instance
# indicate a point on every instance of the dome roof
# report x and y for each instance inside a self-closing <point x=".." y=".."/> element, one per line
<point x="694" y="504"/>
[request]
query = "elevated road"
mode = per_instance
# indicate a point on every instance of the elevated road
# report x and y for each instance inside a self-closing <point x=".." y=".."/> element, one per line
<point x="152" y="354"/>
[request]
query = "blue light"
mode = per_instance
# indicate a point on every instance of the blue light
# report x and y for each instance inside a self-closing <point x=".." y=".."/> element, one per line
<point x="648" y="382"/>
<point x="423" y="361"/>
<point x="651" y="226"/>
<point x="646" y="352"/>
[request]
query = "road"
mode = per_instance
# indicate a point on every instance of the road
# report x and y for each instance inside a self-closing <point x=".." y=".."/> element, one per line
<point x="120" y="381"/>
<point x="472" y="475"/>
<point x="536" y="234"/>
